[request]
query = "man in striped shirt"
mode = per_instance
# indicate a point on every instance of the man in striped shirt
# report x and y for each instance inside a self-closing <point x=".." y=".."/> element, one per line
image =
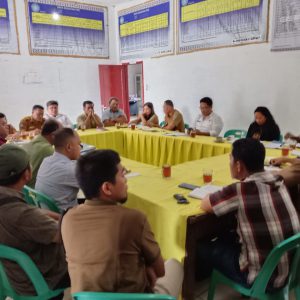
<point x="265" y="217"/>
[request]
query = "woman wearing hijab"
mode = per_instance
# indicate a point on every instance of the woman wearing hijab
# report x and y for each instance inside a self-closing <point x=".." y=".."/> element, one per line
<point x="264" y="127"/>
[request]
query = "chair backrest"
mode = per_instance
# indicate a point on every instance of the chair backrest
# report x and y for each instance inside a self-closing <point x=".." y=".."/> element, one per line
<point x="186" y="126"/>
<point x="290" y="244"/>
<point x="39" y="199"/>
<point x="119" y="296"/>
<point x="238" y="133"/>
<point x="25" y="262"/>
<point x="28" y="198"/>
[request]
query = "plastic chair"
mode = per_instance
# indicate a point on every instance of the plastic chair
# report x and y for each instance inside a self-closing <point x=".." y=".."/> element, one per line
<point x="186" y="126"/>
<point x="24" y="261"/>
<point x="119" y="296"/>
<point x="39" y="199"/>
<point x="238" y="133"/>
<point x="258" y="289"/>
<point x="281" y="138"/>
<point x="162" y="124"/>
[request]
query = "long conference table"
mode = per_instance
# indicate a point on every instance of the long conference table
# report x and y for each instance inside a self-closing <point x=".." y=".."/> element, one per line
<point x="154" y="148"/>
<point x="177" y="227"/>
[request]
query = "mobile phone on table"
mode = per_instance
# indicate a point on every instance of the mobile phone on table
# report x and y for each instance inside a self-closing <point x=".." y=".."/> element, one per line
<point x="181" y="199"/>
<point x="188" y="186"/>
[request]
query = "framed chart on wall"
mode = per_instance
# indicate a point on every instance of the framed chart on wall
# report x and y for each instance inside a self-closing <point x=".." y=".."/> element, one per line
<point x="8" y="28"/>
<point x="65" y="28"/>
<point x="204" y="24"/>
<point x="146" y="30"/>
<point x="286" y="25"/>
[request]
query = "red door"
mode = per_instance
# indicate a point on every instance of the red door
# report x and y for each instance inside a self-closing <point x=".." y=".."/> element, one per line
<point x="114" y="83"/>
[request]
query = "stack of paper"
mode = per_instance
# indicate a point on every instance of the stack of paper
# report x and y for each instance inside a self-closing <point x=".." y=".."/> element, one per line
<point x="273" y="145"/>
<point x="201" y="192"/>
<point x="146" y="128"/>
<point x="296" y="152"/>
<point x="175" y="133"/>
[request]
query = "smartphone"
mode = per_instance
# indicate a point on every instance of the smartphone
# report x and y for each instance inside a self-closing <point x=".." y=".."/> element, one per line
<point x="181" y="199"/>
<point x="188" y="186"/>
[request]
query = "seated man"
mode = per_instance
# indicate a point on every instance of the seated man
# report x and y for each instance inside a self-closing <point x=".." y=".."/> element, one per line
<point x="56" y="175"/>
<point x="113" y="114"/>
<point x="6" y="130"/>
<point x="173" y="118"/>
<point x="8" y="127"/>
<point x="110" y="247"/>
<point x="88" y="119"/>
<point x="41" y="147"/>
<point x="52" y="112"/>
<point x="208" y="122"/>
<point x="28" y="228"/>
<point x="265" y="217"/>
<point x="292" y="137"/>
<point x="33" y="123"/>
<point x="290" y="174"/>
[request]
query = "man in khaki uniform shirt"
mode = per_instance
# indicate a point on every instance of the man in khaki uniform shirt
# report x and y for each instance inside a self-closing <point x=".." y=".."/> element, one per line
<point x="109" y="247"/>
<point x="173" y="118"/>
<point x="291" y="173"/>
<point x="291" y="177"/>
<point x="28" y="228"/>
<point x="88" y="119"/>
<point x="34" y="122"/>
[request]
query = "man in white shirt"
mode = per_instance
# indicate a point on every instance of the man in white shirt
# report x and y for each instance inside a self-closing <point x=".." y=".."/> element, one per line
<point x="52" y="112"/>
<point x="56" y="175"/>
<point x="208" y="122"/>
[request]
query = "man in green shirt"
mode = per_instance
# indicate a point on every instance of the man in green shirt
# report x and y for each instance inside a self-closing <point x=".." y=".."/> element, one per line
<point x="41" y="147"/>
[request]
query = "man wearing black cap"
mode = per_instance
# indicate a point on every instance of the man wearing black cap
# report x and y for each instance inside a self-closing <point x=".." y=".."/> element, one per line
<point x="27" y="228"/>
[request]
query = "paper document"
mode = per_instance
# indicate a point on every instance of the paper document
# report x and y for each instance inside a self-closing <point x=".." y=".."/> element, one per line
<point x="133" y="174"/>
<point x="272" y="168"/>
<point x="146" y="128"/>
<point x="175" y="133"/>
<point x="296" y="152"/>
<point x="201" y="192"/>
<point x="273" y="145"/>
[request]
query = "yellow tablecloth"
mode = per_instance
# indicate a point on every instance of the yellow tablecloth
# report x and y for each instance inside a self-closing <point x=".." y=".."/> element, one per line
<point x="154" y="147"/>
<point x="157" y="149"/>
<point x="103" y="139"/>
<point x="152" y="194"/>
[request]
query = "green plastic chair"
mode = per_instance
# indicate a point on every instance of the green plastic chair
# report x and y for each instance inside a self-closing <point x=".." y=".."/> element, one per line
<point x="186" y="126"/>
<point x="162" y="124"/>
<point x="281" y="138"/>
<point x="25" y="262"/>
<point x="238" y="133"/>
<point x="258" y="289"/>
<point x="119" y="296"/>
<point x="39" y="199"/>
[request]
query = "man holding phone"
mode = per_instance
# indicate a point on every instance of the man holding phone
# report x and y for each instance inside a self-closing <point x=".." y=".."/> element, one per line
<point x="88" y="119"/>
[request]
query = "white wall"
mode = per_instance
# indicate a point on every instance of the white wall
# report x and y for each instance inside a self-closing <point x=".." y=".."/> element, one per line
<point x="238" y="79"/>
<point x="27" y="80"/>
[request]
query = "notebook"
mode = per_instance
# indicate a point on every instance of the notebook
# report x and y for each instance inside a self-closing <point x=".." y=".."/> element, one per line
<point x="200" y="193"/>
